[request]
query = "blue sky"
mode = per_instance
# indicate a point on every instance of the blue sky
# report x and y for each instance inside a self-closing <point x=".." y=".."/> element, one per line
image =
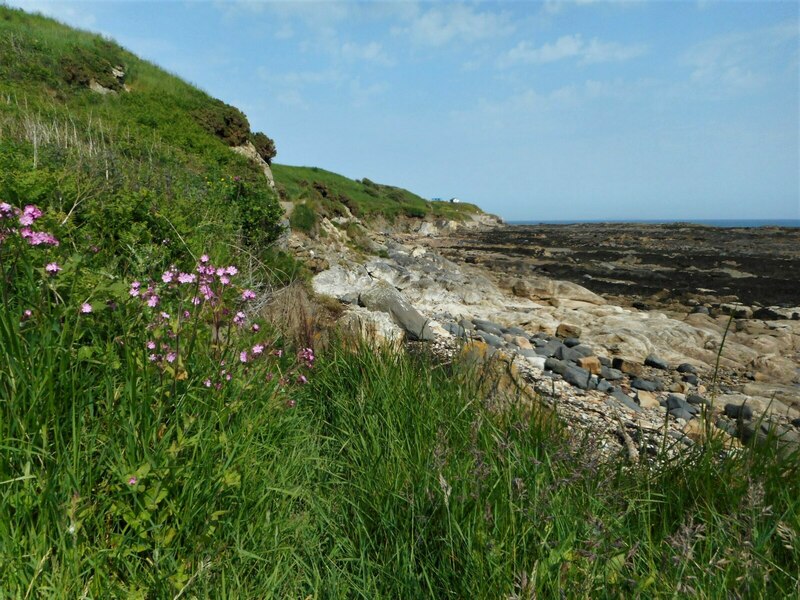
<point x="548" y="110"/>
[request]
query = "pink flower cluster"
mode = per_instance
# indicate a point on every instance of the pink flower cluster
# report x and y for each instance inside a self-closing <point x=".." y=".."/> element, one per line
<point x="24" y="219"/>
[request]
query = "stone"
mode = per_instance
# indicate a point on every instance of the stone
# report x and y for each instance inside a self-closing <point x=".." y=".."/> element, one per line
<point x="691" y="379"/>
<point x="555" y="365"/>
<point x="657" y="363"/>
<point x="582" y="350"/>
<point x="455" y="330"/>
<point x="626" y="366"/>
<point x="537" y="362"/>
<point x="376" y="328"/>
<point x="626" y="401"/>
<point x="571" y="341"/>
<point x="488" y="327"/>
<point x="644" y="384"/>
<point x="674" y="401"/>
<point x="467" y="324"/>
<point x="697" y="400"/>
<point x="385" y="298"/>
<point x="680" y="413"/>
<point x="604" y="386"/>
<point x="567" y="330"/>
<point x="647" y="399"/>
<point x="590" y="363"/>
<point x="522" y="342"/>
<point x="687" y="368"/>
<point x="604" y="360"/>
<point x="736" y="411"/>
<point x="700" y="310"/>
<point x="550" y="348"/>
<point x="578" y="377"/>
<point x="761" y="432"/>
<point x="518" y="331"/>
<point x="528" y="353"/>
<point x="493" y="340"/>
<point x="796" y="422"/>
<point x="564" y="353"/>
<point x="521" y="289"/>
<point x="611" y="374"/>
<point x="680" y="387"/>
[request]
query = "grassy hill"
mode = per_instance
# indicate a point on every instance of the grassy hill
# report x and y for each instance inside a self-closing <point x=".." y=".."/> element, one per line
<point x="120" y="152"/>
<point x="334" y="195"/>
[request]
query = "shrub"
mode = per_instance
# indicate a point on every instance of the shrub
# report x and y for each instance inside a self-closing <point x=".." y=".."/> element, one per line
<point x="265" y="146"/>
<point x="303" y="218"/>
<point x="226" y="122"/>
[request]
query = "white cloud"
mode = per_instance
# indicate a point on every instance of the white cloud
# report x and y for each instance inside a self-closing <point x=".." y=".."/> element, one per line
<point x="743" y="59"/>
<point x="570" y="46"/>
<point x="370" y="52"/>
<point x="455" y="22"/>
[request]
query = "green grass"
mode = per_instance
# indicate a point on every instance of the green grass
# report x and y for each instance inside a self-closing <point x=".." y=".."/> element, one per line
<point x="331" y="193"/>
<point x="388" y="475"/>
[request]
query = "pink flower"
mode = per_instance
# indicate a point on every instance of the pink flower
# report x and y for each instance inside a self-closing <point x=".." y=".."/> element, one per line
<point x="258" y="349"/>
<point x="255" y="327"/>
<point x="86" y="308"/>
<point x="164" y="315"/>
<point x="134" y="292"/>
<point x="248" y="295"/>
<point x="207" y="383"/>
<point x="171" y="357"/>
<point x="207" y="292"/>
<point x="224" y="279"/>
<point x="29" y="214"/>
<point x="204" y="259"/>
<point x="151" y="345"/>
<point x="167" y="277"/>
<point x="243" y="356"/>
<point x="195" y="300"/>
<point x="239" y="318"/>
<point x="52" y="268"/>
<point x="27" y="314"/>
<point x="187" y="277"/>
<point x="133" y="481"/>
<point x="153" y="358"/>
<point x="152" y="301"/>
<point x="186" y="314"/>
<point x="37" y="238"/>
<point x="231" y="270"/>
<point x="302" y="380"/>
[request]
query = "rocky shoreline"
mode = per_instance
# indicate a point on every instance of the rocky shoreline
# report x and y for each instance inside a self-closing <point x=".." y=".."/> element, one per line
<point x="631" y="370"/>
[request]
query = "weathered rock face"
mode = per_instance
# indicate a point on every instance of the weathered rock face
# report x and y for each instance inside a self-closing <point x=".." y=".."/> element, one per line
<point x="376" y="328"/>
<point x="249" y="150"/>
<point x="383" y="297"/>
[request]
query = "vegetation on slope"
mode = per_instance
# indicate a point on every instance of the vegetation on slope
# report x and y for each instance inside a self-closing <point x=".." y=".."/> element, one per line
<point x="331" y="195"/>
<point x="138" y="171"/>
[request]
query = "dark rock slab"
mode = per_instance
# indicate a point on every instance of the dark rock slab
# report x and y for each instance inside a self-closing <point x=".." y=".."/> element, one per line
<point x="571" y="341"/>
<point x="687" y="368"/>
<point x="611" y="374"/>
<point x="488" y="327"/>
<point x="736" y="411"/>
<point x="644" y="384"/>
<point x="657" y="363"/>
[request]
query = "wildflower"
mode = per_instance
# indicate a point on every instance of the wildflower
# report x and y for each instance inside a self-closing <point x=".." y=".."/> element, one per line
<point x="171" y="357"/>
<point x="239" y="318"/>
<point x="248" y="295"/>
<point x="204" y="259"/>
<point x="224" y="280"/>
<point x="307" y="356"/>
<point x="291" y="403"/>
<point x="37" y="238"/>
<point x="186" y="314"/>
<point x="167" y="277"/>
<point x="231" y="270"/>
<point x="164" y="315"/>
<point x="6" y="210"/>
<point x="133" y="481"/>
<point x="278" y="353"/>
<point x="27" y="314"/>
<point x="152" y="301"/>
<point x="153" y="357"/>
<point x="208" y="294"/>
<point x="134" y="292"/>
<point x="187" y="277"/>
<point x="207" y="383"/>
<point x="255" y="327"/>
<point x="195" y="300"/>
<point x="258" y="349"/>
<point x="52" y="268"/>
<point x="29" y="214"/>
<point x="86" y="308"/>
<point x="243" y="356"/>
<point x="302" y="380"/>
<point x="151" y="345"/>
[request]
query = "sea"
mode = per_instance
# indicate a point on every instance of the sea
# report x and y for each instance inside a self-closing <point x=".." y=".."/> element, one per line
<point x="707" y="222"/>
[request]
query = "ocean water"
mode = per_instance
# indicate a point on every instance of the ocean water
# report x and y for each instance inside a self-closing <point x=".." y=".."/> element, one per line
<point x="707" y="222"/>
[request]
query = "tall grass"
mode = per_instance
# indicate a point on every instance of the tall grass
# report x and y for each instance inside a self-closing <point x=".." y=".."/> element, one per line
<point x="387" y="475"/>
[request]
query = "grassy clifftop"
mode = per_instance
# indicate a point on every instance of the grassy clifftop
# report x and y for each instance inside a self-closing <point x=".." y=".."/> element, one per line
<point x="334" y="195"/>
<point x="119" y="151"/>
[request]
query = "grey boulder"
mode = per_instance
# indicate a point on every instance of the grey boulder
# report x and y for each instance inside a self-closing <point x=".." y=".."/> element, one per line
<point x="383" y="297"/>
